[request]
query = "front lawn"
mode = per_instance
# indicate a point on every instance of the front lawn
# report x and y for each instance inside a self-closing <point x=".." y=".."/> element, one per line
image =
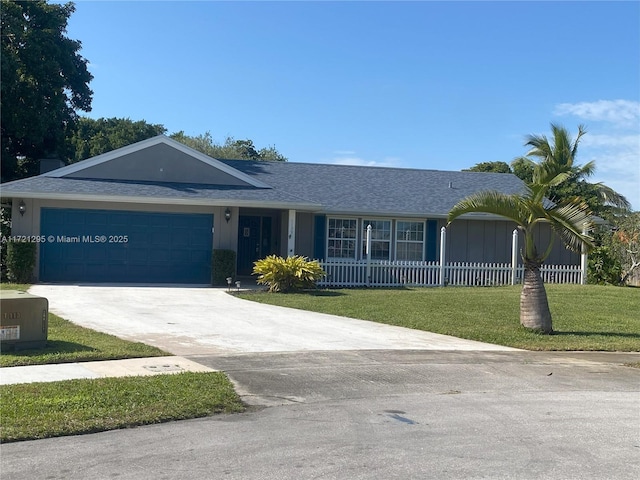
<point x="585" y="317"/>
<point x="68" y="342"/>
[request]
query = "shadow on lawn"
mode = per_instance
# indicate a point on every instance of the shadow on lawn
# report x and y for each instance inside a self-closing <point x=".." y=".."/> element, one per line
<point x="53" y="347"/>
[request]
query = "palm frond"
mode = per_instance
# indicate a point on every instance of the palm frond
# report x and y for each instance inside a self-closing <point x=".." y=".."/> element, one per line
<point x="611" y="197"/>
<point x="586" y="170"/>
<point x="574" y="150"/>
<point x="569" y="220"/>
<point x="540" y="146"/>
<point x="512" y="207"/>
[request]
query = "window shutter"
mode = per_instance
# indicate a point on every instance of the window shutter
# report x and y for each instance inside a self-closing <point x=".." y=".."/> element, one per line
<point x="432" y="240"/>
<point x="319" y="237"/>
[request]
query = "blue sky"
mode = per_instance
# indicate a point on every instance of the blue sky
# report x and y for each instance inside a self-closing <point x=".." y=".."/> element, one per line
<point x="435" y="85"/>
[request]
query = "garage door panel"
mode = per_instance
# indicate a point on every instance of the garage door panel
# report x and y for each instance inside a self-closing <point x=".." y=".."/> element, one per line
<point x="161" y="247"/>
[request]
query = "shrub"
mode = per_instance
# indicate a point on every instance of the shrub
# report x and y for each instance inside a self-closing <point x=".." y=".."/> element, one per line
<point x="288" y="274"/>
<point x="21" y="258"/>
<point x="223" y="265"/>
<point x="603" y="267"/>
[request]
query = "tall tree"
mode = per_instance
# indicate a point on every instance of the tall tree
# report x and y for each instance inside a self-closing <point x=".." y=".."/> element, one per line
<point x="602" y="200"/>
<point x="495" y="167"/>
<point x="93" y="137"/>
<point x="45" y="82"/>
<point x="532" y="208"/>
<point x="232" y="149"/>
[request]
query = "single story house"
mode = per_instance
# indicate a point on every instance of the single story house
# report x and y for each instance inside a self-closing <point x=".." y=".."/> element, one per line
<point x="152" y="212"/>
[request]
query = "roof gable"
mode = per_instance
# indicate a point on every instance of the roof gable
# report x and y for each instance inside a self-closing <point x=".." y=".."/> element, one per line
<point x="158" y="159"/>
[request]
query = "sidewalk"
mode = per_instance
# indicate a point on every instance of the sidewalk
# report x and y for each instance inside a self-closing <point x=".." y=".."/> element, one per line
<point x="101" y="369"/>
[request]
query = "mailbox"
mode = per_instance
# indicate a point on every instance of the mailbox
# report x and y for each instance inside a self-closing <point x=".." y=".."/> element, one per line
<point x="24" y="320"/>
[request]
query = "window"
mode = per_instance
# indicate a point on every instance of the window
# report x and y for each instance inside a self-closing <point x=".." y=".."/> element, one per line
<point x="380" y="239"/>
<point x="409" y="240"/>
<point x="342" y="238"/>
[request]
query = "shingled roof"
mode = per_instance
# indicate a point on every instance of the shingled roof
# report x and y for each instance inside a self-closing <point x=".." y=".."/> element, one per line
<point x="335" y="189"/>
<point x="376" y="190"/>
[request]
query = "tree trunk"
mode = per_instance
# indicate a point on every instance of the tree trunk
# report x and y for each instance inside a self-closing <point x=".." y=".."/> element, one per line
<point x="534" y="306"/>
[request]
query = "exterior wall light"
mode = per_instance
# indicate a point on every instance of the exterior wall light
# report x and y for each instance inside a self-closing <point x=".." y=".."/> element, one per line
<point x="227" y="214"/>
<point x="22" y="207"/>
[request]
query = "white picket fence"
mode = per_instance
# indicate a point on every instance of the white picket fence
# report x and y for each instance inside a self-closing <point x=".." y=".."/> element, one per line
<point x="372" y="273"/>
<point x="426" y="274"/>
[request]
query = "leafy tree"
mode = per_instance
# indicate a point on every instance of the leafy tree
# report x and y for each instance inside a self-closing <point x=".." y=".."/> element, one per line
<point x="531" y="208"/>
<point x="45" y="82"/>
<point x="603" y="265"/>
<point x="231" y="149"/>
<point x="94" y="137"/>
<point x="495" y="167"/>
<point x="616" y="259"/>
<point x="625" y="241"/>
<point x="523" y="169"/>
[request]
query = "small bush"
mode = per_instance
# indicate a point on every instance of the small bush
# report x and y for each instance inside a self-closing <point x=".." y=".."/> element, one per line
<point x="288" y="274"/>
<point x="603" y="268"/>
<point x="223" y="266"/>
<point x="21" y="258"/>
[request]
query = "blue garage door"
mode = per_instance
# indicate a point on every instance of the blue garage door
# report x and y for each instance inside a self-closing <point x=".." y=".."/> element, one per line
<point x="124" y="246"/>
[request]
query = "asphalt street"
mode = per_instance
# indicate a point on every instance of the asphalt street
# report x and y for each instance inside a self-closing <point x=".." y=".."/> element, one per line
<point x="379" y="414"/>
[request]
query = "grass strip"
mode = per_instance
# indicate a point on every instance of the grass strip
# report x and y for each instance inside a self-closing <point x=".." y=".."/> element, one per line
<point x="585" y="317"/>
<point x="68" y="342"/>
<point x="42" y="410"/>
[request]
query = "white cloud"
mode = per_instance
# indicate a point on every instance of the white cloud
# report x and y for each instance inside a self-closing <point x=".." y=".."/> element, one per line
<point x="344" y="152"/>
<point x="630" y="141"/>
<point x="621" y="113"/>
<point x="354" y="160"/>
<point x="613" y="141"/>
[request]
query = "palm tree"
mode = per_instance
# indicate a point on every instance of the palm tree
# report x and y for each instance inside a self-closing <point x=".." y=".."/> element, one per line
<point x="567" y="218"/>
<point x="563" y="152"/>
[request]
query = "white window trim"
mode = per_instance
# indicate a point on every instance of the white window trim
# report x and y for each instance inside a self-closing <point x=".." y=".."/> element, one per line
<point x="327" y="237"/>
<point x="396" y="241"/>
<point x="363" y="230"/>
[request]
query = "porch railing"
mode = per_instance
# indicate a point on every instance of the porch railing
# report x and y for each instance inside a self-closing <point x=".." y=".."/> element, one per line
<point x="426" y="274"/>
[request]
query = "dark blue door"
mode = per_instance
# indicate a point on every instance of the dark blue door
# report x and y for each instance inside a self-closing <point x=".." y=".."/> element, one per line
<point x="254" y="241"/>
<point x="124" y="246"/>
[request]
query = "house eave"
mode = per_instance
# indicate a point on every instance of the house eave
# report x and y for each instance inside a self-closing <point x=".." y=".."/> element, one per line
<point x="303" y="206"/>
<point x="417" y="215"/>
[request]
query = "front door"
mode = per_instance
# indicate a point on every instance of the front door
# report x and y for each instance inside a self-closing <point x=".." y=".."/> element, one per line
<point x="254" y="241"/>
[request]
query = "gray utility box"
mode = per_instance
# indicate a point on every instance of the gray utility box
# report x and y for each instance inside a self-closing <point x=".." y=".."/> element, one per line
<point x="24" y="320"/>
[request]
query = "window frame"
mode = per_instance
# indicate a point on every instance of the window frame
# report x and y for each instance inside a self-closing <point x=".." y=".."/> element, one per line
<point x="397" y="240"/>
<point x="342" y="239"/>
<point x="389" y="241"/>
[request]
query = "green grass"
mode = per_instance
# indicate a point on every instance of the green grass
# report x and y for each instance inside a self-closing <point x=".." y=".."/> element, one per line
<point x="41" y="410"/>
<point x="21" y="287"/>
<point x="68" y="342"/>
<point x="585" y="317"/>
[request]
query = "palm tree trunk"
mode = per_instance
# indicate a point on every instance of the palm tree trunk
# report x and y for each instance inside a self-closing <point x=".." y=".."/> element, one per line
<point x="534" y="306"/>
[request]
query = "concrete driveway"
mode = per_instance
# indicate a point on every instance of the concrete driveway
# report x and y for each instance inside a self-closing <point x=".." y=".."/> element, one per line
<point x="209" y="321"/>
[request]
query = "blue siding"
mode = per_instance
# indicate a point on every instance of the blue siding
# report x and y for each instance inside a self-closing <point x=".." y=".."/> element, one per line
<point x="159" y="247"/>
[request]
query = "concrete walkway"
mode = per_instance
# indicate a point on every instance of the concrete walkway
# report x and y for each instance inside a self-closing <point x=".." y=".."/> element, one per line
<point x="188" y="321"/>
<point x="109" y="368"/>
